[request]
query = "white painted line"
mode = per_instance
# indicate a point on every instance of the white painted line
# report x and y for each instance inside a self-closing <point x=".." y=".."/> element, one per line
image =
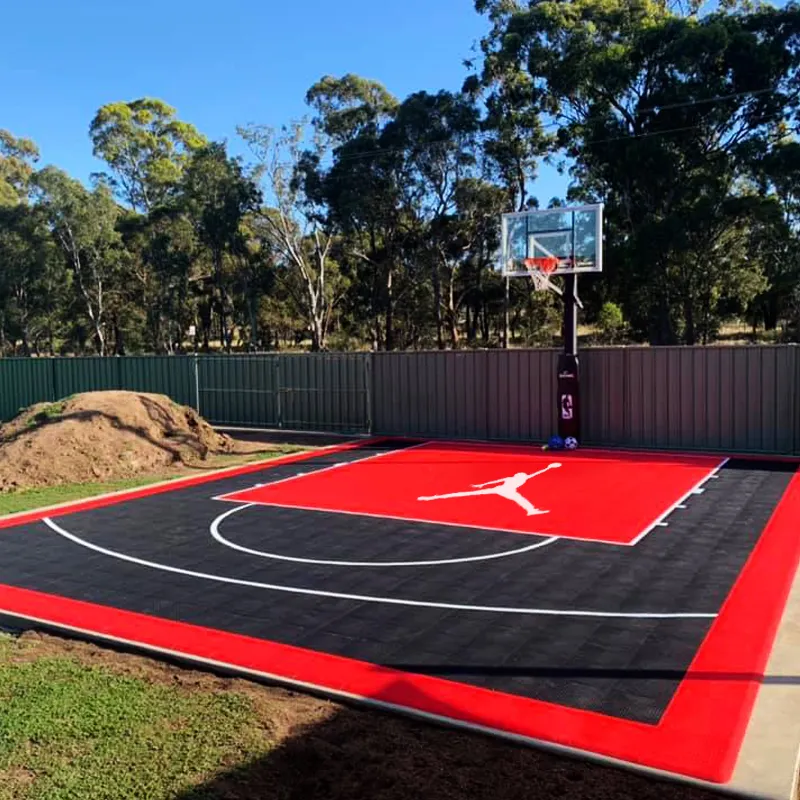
<point x="696" y="489"/>
<point x="548" y="612"/>
<point x="215" y="532"/>
<point x="309" y="473"/>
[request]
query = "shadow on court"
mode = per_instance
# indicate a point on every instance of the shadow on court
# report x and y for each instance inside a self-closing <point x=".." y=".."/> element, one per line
<point x="359" y="754"/>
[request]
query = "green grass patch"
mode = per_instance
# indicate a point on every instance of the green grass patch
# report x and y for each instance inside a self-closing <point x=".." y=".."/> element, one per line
<point x="29" y="499"/>
<point x="72" y="731"/>
<point x="47" y="414"/>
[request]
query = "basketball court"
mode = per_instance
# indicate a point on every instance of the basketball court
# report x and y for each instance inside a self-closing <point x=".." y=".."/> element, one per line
<point x="614" y="603"/>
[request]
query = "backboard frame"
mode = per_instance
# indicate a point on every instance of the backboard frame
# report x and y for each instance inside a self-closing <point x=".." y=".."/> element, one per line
<point x="545" y="241"/>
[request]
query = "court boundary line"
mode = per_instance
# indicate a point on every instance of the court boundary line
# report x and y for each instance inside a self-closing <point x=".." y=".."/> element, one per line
<point x="661" y="520"/>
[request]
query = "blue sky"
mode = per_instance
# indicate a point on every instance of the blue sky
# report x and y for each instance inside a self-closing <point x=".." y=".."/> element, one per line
<point x="220" y="64"/>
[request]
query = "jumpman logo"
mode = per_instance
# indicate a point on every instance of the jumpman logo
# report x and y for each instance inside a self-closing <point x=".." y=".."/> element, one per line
<point x="503" y="487"/>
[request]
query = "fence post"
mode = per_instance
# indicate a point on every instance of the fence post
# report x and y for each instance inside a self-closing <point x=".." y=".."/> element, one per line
<point x="796" y="399"/>
<point x="196" y="360"/>
<point x="53" y="381"/>
<point x="368" y="390"/>
<point x="278" y="390"/>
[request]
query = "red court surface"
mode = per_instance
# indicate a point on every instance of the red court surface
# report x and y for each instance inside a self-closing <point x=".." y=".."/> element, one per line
<point x="601" y="496"/>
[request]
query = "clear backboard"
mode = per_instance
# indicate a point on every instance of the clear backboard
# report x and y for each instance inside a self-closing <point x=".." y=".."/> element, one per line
<point x="563" y="241"/>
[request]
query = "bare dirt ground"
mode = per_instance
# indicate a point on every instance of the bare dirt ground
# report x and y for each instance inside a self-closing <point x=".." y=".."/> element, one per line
<point x="324" y="750"/>
<point x="107" y="436"/>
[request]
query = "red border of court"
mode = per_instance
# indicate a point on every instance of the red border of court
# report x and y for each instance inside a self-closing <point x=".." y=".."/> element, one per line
<point x="699" y="735"/>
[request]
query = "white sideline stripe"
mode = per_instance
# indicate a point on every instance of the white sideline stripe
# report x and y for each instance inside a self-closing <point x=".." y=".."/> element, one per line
<point x="214" y="528"/>
<point x="696" y="489"/>
<point x="548" y="612"/>
<point x="309" y="473"/>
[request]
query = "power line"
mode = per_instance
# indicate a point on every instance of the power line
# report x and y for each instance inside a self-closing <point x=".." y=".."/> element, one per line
<point x="716" y="99"/>
<point x="554" y="126"/>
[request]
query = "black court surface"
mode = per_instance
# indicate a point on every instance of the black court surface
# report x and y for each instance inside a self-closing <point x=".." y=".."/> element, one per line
<point x="622" y="604"/>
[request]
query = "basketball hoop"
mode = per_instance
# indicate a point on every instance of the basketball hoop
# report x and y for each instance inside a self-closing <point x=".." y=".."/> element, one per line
<point x="540" y="269"/>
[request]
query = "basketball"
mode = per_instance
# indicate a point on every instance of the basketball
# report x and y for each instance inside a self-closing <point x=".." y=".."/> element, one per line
<point x="571" y="443"/>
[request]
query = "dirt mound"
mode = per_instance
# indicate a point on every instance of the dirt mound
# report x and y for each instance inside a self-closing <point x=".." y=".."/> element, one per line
<point x="105" y="436"/>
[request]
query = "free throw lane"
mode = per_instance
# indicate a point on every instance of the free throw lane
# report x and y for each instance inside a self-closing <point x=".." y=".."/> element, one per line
<point x="594" y="496"/>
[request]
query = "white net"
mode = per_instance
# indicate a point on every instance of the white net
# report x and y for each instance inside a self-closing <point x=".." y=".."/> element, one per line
<point x="540" y="271"/>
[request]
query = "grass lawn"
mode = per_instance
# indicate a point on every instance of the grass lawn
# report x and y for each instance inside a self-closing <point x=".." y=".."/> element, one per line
<point x="69" y="730"/>
<point x="12" y="502"/>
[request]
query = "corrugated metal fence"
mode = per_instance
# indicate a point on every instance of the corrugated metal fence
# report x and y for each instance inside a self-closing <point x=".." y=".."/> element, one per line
<point x="324" y="392"/>
<point x="687" y="398"/>
<point x="744" y="399"/>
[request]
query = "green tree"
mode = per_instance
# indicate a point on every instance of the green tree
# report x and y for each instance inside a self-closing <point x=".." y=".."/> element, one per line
<point x="349" y="106"/>
<point x="31" y="283"/>
<point x="217" y="195"/>
<point x="83" y="223"/>
<point x="437" y="136"/>
<point x="660" y="113"/>
<point x="146" y="149"/>
<point x="17" y="159"/>
<point x="293" y="226"/>
<point x="361" y="195"/>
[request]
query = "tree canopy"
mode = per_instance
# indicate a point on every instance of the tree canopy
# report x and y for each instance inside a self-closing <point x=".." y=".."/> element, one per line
<point x="374" y="222"/>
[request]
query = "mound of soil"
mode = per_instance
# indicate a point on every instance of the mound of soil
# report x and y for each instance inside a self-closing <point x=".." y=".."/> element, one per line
<point x="106" y="436"/>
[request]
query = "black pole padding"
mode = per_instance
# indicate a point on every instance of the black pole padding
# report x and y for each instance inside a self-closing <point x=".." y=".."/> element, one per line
<point x="568" y="400"/>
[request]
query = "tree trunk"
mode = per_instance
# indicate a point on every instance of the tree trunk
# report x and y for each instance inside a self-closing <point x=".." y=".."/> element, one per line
<point x="253" y="309"/>
<point x="771" y="312"/>
<point x="663" y="332"/>
<point x="690" y="336"/>
<point x="119" y="339"/>
<point x="389" y="333"/>
<point x="100" y="339"/>
<point x="437" y="305"/>
<point x="452" y="313"/>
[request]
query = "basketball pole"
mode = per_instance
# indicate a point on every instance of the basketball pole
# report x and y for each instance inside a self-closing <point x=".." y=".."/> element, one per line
<point x="568" y="385"/>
